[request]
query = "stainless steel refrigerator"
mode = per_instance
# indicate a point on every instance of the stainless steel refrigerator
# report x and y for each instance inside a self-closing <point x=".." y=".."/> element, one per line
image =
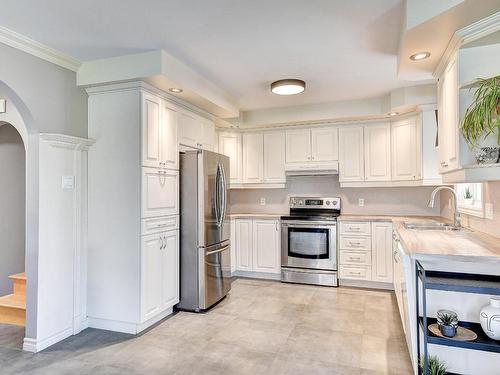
<point x="205" y="231"/>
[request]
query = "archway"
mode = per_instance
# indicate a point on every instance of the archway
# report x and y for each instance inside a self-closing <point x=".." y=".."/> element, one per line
<point x="18" y="116"/>
<point x="12" y="236"/>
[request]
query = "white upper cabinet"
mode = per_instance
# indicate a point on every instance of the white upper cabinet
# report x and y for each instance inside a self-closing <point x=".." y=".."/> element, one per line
<point x="208" y="135"/>
<point x="266" y="246"/>
<point x="151" y="131"/>
<point x="298" y="146"/>
<point x="230" y="144"/>
<point x="406" y="153"/>
<point x="382" y="264"/>
<point x="191" y="130"/>
<point x="169" y="141"/>
<point x="448" y="118"/>
<point x="274" y="157"/>
<point x="351" y="154"/>
<point x="253" y="155"/>
<point x="377" y="142"/>
<point x="325" y="144"/>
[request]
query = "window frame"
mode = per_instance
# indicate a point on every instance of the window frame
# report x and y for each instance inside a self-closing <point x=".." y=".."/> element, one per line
<point x="477" y="208"/>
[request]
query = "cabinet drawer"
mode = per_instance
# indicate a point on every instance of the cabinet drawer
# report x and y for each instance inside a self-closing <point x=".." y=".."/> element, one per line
<point x="352" y="257"/>
<point x="356" y="273"/>
<point x="355" y="228"/>
<point x="159" y="224"/>
<point x="355" y="243"/>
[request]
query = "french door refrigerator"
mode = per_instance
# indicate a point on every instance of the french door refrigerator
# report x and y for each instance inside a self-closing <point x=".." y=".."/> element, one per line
<point x="205" y="257"/>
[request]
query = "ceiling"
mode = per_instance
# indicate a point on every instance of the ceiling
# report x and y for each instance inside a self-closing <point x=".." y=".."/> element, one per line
<point x="344" y="50"/>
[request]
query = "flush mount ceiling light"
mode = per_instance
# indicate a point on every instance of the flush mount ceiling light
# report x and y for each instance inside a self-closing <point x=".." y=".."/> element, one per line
<point x="288" y="87"/>
<point x="420" y="56"/>
<point x="175" y="90"/>
<point x="393" y="113"/>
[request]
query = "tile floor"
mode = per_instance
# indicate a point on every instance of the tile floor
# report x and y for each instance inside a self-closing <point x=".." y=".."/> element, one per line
<point x="262" y="327"/>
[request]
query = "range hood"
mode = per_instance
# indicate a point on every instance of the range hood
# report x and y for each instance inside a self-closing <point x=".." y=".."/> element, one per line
<point x="312" y="169"/>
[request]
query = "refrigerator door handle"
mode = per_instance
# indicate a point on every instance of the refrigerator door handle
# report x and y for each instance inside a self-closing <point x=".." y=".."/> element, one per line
<point x="224" y="194"/>
<point x="217" y="196"/>
<point x="217" y="251"/>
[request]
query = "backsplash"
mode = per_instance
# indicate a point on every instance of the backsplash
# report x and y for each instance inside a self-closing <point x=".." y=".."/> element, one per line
<point x="377" y="201"/>
<point x="490" y="226"/>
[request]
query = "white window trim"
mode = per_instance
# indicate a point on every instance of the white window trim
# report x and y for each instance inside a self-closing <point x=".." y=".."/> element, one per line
<point x="475" y="209"/>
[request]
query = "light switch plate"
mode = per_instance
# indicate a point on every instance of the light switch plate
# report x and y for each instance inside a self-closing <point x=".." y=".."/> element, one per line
<point x="488" y="211"/>
<point x="361" y="202"/>
<point x="262" y="201"/>
<point x="68" y="182"/>
<point x="3" y="105"/>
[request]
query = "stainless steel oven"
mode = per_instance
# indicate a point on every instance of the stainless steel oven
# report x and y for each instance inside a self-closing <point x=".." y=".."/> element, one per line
<point x="309" y="241"/>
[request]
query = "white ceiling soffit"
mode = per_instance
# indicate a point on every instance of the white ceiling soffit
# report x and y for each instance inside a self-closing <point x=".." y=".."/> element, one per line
<point x="163" y="71"/>
<point x="430" y="26"/>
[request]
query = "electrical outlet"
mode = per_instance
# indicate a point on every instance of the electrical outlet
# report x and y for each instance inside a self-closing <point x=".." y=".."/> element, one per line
<point x="488" y="211"/>
<point x="262" y="201"/>
<point x="361" y="202"/>
<point x="449" y="203"/>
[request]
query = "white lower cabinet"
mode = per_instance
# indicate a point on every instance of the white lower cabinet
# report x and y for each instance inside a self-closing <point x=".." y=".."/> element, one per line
<point x="257" y="246"/>
<point x="159" y="273"/>
<point x="365" y="251"/>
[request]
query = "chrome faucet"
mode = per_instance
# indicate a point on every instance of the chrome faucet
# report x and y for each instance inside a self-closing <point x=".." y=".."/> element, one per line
<point x="456" y="215"/>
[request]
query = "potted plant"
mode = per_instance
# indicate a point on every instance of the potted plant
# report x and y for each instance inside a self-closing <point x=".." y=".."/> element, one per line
<point x="447" y="322"/>
<point x="468" y="199"/>
<point x="482" y="118"/>
<point x="436" y="367"/>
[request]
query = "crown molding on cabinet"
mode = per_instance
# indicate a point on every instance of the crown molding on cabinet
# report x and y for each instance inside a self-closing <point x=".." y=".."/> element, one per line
<point x="465" y="35"/>
<point x="25" y="44"/>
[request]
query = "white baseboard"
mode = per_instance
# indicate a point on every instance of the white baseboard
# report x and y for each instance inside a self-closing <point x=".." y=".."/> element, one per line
<point x="35" y="345"/>
<point x="127" y="327"/>
<point x="258" y="275"/>
<point x="366" y="284"/>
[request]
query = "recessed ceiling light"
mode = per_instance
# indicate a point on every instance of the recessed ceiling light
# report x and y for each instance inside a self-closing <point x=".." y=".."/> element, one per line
<point x="393" y="113"/>
<point x="288" y="86"/>
<point x="420" y="56"/>
<point x="175" y="90"/>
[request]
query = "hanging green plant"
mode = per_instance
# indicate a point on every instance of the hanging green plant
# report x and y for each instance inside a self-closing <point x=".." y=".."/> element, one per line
<point x="482" y="118"/>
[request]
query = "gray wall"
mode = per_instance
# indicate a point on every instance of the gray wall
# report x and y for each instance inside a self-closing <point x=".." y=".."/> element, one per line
<point x="378" y="201"/>
<point x="49" y="92"/>
<point x="12" y="206"/>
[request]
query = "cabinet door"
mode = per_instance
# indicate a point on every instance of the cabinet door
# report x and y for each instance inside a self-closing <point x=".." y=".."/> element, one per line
<point x="243" y="245"/>
<point x="274" y="157"/>
<point x="160" y="192"/>
<point x="151" y="133"/>
<point x="230" y="145"/>
<point x="170" y="270"/>
<point x="233" y="246"/>
<point x="253" y="154"/>
<point x="298" y="146"/>
<point x="382" y="252"/>
<point x="351" y="163"/>
<point x="191" y="130"/>
<point x="208" y="136"/>
<point x="151" y="276"/>
<point x="169" y="140"/>
<point x="405" y="150"/>
<point x="378" y="152"/>
<point x="266" y="246"/>
<point x="325" y="144"/>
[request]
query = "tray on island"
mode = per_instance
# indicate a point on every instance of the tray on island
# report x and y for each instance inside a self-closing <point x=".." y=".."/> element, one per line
<point x="463" y="334"/>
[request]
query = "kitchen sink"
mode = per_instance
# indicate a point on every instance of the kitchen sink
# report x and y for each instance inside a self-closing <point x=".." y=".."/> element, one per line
<point x="429" y="225"/>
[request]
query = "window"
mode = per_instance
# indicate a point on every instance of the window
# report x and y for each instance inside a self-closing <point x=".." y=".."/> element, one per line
<point x="470" y="199"/>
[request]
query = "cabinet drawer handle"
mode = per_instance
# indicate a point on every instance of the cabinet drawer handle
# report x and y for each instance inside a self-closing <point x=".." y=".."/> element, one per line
<point x="354" y="243"/>
<point x="354" y="258"/>
<point x="354" y="228"/>
<point x="355" y="273"/>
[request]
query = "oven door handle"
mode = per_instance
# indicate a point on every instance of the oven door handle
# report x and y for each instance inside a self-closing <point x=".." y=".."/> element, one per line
<point x="309" y="225"/>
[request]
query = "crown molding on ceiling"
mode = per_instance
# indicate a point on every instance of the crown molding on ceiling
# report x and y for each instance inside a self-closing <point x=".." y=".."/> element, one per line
<point x="467" y="34"/>
<point x="28" y="45"/>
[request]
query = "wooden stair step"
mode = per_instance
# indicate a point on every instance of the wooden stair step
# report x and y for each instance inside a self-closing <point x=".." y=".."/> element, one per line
<point x="19" y="280"/>
<point x="13" y="309"/>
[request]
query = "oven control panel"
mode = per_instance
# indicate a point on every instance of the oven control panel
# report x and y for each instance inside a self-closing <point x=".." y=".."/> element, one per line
<point x="314" y="202"/>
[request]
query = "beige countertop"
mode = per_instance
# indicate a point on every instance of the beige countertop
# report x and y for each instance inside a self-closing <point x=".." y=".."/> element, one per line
<point x="257" y="216"/>
<point x="464" y="244"/>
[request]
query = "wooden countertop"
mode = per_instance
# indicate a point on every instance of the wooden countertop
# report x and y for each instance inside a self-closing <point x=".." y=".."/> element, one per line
<point x="464" y="244"/>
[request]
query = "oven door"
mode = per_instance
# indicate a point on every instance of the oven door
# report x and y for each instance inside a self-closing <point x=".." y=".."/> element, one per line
<point x="309" y="245"/>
